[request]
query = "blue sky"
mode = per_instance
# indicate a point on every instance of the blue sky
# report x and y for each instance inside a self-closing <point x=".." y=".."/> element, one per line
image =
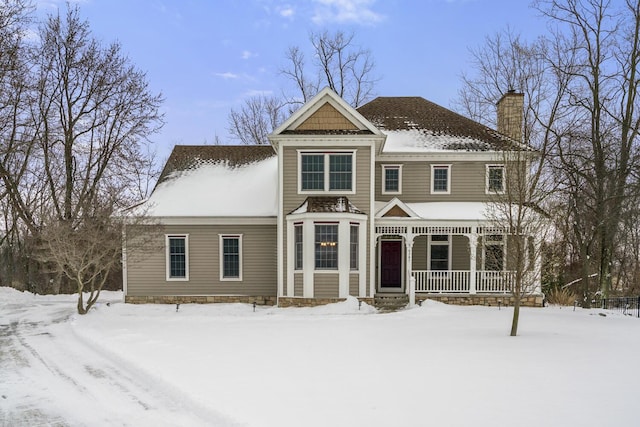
<point x="206" y="56"/>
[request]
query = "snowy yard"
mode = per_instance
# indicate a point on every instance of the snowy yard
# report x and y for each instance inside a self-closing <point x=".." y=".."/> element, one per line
<point x="224" y="365"/>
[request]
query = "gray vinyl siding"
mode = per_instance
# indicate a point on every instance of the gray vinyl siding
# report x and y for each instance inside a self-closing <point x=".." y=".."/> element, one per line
<point x="354" y="284"/>
<point x="297" y="285"/>
<point x="467" y="182"/>
<point x="460" y="253"/>
<point x="146" y="275"/>
<point x="420" y="261"/>
<point x="325" y="285"/>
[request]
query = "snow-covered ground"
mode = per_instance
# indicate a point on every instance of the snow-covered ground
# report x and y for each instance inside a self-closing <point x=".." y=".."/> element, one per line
<point x="225" y="365"/>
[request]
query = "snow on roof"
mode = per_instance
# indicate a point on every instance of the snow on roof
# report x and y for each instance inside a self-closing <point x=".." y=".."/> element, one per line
<point x="219" y="190"/>
<point x="421" y="140"/>
<point x="461" y="211"/>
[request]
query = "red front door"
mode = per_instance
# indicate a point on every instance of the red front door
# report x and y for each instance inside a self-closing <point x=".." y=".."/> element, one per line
<point x="391" y="264"/>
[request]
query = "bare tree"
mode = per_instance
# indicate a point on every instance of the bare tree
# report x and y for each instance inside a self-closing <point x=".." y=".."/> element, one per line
<point x="256" y="118"/>
<point x="337" y="62"/>
<point x="604" y="93"/>
<point x="581" y="110"/>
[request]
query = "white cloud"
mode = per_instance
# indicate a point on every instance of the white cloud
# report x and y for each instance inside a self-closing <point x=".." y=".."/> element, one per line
<point x="256" y="92"/>
<point x="286" y="11"/>
<point x="227" y="75"/>
<point x="344" y="11"/>
<point x="246" y="54"/>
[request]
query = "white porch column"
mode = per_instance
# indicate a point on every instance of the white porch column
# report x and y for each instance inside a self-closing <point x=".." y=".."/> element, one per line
<point x="473" y="250"/>
<point x="410" y="283"/>
<point x="308" y="260"/>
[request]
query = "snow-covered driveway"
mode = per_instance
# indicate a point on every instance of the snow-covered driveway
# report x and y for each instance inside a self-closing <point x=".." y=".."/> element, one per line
<point x="51" y="376"/>
<point x="224" y="364"/>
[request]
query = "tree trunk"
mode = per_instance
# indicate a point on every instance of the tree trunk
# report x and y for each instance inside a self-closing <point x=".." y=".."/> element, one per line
<point x="516" y="315"/>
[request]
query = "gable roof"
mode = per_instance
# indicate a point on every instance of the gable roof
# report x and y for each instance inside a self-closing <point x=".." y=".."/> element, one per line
<point x="344" y="119"/>
<point x="413" y="124"/>
<point x="190" y="157"/>
<point x="217" y="181"/>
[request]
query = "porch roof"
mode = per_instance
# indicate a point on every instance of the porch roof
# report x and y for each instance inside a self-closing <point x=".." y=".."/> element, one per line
<point x="434" y="211"/>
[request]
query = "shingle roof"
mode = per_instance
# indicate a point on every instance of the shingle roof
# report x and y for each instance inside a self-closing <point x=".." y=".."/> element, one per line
<point x="186" y="157"/>
<point x="433" y="125"/>
<point x="339" y="204"/>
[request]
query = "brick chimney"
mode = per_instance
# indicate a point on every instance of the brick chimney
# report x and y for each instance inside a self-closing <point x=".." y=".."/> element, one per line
<point x="510" y="111"/>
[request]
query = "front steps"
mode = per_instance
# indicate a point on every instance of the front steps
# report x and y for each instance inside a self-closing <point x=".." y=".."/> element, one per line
<point x="390" y="302"/>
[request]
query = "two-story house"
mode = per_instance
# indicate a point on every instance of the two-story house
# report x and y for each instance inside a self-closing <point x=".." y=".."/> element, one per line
<point x="384" y="201"/>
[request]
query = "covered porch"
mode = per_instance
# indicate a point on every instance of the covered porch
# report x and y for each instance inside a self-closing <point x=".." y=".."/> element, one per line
<point x="447" y="259"/>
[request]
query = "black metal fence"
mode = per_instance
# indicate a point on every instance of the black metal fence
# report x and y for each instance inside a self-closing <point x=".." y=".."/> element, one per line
<point x="629" y="306"/>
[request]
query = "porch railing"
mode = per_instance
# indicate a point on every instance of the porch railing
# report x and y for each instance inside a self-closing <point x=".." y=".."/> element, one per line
<point x="453" y="281"/>
<point x="442" y="281"/>
<point x="494" y="281"/>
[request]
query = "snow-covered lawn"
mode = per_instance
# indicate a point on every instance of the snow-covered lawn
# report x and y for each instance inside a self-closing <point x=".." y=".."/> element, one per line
<point x="223" y="365"/>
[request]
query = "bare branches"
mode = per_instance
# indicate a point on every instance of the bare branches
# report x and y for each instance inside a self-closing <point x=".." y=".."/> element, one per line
<point x="75" y="118"/>
<point x="255" y="119"/>
<point x="337" y="63"/>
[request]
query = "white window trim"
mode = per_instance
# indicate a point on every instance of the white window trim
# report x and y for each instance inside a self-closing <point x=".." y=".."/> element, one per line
<point x="440" y="243"/>
<point x="384" y="178"/>
<point x="440" y="166"/>
<point x="221" y="257"/>
<point x="168" y="257"/>
<point x="486" y="242"/>
<point x="326" y="154"/>
<point x="486" y="181"/>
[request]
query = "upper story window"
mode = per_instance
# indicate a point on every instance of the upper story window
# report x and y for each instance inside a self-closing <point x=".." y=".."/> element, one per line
<point x="326" y="172"/>
<point x="391" y="179"/>
<point x="495" y="179"/>
<point x="440" y="179"/>
<point x="177" y="257"/>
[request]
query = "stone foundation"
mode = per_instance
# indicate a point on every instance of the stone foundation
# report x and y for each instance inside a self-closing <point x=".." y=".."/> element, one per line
<point x="492" y="300"/>
<point x="313" y="302"/>
<point x="199" y="299"/>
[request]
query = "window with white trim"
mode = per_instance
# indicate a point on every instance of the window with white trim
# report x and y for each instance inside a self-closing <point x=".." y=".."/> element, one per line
<point x="495" y="179"/>
<point x="327" y="172"/>
<point x="439" y="252"/>
<point x="440" y="179"/>
<point x="230" y="257"/>
<point x="354" y="232"/>
<point x="326" y="246"/>
<point x="177" y="257"/>
<point x="494" y="252"/>
<point x="391" y="179"/>
<point x="297" y="237"/>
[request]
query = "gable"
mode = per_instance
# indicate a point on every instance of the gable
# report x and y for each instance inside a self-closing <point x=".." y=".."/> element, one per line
<point x="327" y="117"/>
<point x="396" y="211"/>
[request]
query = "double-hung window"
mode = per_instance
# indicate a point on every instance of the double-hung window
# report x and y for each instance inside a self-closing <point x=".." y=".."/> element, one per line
<point x="353" y="246"/>
<point x="391" y="179"/>
<point x="230" y="257"/>
<point x="495" y="179"/>
<point x="326" y="246"/>
<point x="327" y="172"/>
<point x="439" y="252"/>
<point x="177" y="257"/>
<point x="297" y="235"/>
<point x="440" y="179"/>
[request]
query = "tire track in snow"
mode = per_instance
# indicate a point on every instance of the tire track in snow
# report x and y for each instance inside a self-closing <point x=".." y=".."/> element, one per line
<point x="53" y="376"/>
